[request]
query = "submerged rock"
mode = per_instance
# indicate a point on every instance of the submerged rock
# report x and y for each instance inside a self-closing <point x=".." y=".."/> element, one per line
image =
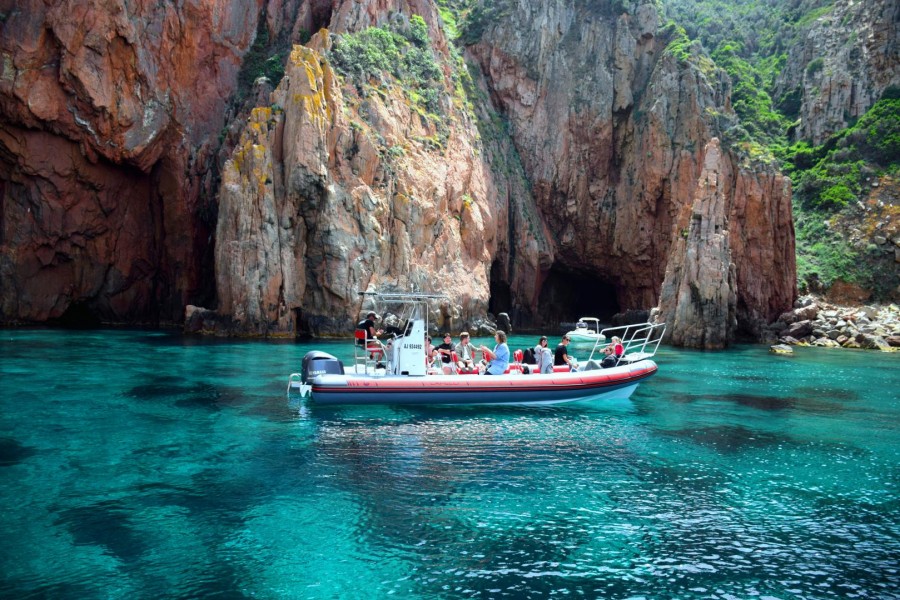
<point x="781" y="349"/>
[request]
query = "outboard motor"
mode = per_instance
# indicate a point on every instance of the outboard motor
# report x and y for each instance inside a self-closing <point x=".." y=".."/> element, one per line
<point x="319" y="363"/>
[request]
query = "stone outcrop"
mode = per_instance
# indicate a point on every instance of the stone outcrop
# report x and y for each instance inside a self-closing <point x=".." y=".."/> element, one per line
<point x="846" y="61"/>
<point x="698" y="299"/>
<point x="110" y="114"/>
<point x="720" y="272"/>
<point x="331" y="193"/>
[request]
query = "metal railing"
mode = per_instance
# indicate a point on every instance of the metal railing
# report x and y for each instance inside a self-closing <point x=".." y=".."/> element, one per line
<point x="640" y="340"/>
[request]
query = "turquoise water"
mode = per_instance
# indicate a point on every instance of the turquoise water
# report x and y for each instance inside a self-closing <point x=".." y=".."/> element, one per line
<point x="140" y="464"/>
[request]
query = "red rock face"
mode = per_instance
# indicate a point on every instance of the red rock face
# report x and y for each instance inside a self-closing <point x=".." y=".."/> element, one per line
<point x="730" y="263"/>
<point x="613" y="133"/>
<point x="110" y="113"/>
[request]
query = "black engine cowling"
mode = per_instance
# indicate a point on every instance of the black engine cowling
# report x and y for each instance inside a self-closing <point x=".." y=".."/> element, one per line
<point x="319" y="363"/>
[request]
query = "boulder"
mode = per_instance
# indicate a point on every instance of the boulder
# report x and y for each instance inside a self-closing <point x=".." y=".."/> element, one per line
<point x="799" y="329"/>
<point x="804" y="301"/>
<point x="788" y="317"/>
<point x="807" y="312"/>
<point x="870" y="312"/>
<point x="203" y="320"/>
<point x="782" y="349"/>
<point x="872" y="342"/>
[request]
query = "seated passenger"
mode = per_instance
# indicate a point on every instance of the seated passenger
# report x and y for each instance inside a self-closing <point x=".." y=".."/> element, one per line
<point x="561" y="356"/>
<point x="465" y="352"/>
<point x="430" y="352"/>
<point x="609" y="357"/>
<point x="543" y="357"/>
<point x="445" y="350"/>
<point x="368" y="325"/>
<point x="500" y="362"/>
<point x="617" y="346"/>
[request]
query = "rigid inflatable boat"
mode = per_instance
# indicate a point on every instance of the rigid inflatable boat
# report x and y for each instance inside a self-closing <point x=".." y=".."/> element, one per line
<point x="396" y="372"/>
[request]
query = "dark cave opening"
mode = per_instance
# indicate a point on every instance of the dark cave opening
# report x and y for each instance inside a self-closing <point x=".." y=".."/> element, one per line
<point x="320" y="15"/>
<point x="501" y="296"/>
<point x="77" y="316"/>
<point x="568" y="295"/>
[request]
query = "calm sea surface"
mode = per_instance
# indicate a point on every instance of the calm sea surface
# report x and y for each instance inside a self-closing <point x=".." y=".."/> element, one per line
<point x="139" y="464"/>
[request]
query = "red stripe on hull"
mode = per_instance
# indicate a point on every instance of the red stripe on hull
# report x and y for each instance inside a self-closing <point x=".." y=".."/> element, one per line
<point x="590" y="380"/>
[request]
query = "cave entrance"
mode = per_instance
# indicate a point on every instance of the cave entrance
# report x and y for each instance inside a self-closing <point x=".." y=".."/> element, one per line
<point x="77" y="316"/>
<point x="501" y="296"/>
<point x="320" y="17"/>
<point x="568" y="295"/>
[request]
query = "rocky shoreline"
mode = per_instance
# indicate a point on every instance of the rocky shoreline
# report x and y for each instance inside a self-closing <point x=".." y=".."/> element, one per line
<point x="815" y="322"/>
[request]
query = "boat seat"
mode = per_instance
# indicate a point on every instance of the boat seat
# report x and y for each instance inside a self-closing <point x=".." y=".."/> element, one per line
<point x="372" y="346"/>
<point x="516" y="366"/>
<point x="561" y="369"/>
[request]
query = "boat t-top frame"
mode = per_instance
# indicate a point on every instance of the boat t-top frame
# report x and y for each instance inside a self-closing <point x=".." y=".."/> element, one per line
<point x="404" y="353"/>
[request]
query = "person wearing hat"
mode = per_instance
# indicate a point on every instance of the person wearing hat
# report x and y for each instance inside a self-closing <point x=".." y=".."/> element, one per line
<point x="368" y="325"/>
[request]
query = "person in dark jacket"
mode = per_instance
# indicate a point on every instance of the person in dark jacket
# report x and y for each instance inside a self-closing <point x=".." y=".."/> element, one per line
<point x="368" y="325"/>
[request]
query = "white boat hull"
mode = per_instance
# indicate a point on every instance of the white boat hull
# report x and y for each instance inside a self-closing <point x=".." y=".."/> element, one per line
<point x="495" y="390"/>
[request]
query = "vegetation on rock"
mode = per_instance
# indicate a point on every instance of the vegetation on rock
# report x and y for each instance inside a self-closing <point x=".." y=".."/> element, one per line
<point x="835" y="207"/>
<point x="398" y="53"/>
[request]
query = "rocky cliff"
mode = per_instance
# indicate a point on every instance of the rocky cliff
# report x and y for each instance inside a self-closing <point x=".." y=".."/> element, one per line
<point x="614" y="132"/>
<point x="574" y="161"/>
<point x="110" y="114"/>
<point x="339" y="186"/>
<point x="846" y="61"/>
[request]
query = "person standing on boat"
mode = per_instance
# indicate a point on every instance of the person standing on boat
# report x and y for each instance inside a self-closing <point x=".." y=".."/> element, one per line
<point x="500" y="362"/>
<point x="561" y="356"/>
<point x="465" y="352"/>
<point x="543" y="357"/>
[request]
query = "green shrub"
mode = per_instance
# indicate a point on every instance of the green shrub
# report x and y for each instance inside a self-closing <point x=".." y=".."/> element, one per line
<point x="394" y="55"/>
<point x="262" y="60"/>
<point x="881" y="125"/>
<point x="822" y="255"/>
<point x="815" y="66"/>
<point x="367" y="54"/>
<point x="418" y="32"/>
<point x="831" y="176"/>
<point x="836" y="196"/>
